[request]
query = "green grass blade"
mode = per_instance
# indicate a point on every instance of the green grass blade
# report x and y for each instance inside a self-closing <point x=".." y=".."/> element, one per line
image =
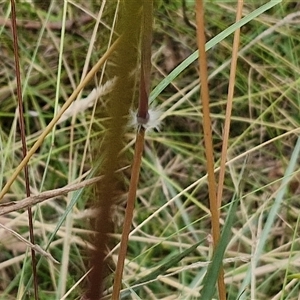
<point x="210" y="279"/>
<point x="161" y="269"/>
<point x="272" y="214"/>
<point x="68" y="210"/>
<point x="214" y="41"/>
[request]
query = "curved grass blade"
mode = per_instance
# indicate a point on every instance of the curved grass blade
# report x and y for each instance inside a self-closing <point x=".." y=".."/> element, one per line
<point x="160" y="270"/>
<point x="69" y="208"/>
<point x="214" y="41"/>
<point x="211" y="277"/>
<point x="272" y="214"/>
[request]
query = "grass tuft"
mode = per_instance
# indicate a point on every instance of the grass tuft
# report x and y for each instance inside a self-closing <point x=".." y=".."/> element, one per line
<point x="169" y="250"/>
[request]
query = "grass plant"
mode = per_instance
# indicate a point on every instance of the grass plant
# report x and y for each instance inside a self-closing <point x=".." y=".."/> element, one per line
<point x="170" y="253"/>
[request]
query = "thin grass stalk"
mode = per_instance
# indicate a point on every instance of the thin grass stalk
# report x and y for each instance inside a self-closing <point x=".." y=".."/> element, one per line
<point x="138" y="152"/>
<point x="208" y="139"/>
<point x="143" y="115"/>
<point x="50" y="126"/>
<point x="235" y="49"/>
<point x="142" y="118"/>
<point x="23" y="138"/>
<point x="61" y="287"/>
<point x="47" y="195"/>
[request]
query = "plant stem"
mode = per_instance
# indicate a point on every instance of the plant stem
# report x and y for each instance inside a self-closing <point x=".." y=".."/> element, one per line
<point x="142" y="118"/>
<point x="119" y="101"/>
<point x="143" y="115"/>
<point x="208" y="140"/>
<point x="24" y="145"/>
<point x="138" y="152"/>
<point x="235" y="49"/>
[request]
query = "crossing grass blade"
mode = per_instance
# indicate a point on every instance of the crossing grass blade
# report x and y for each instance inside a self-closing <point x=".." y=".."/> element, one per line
<point x="211" y="277"/>
<point x="211" y="43"/>
<point x="161" y="269"/>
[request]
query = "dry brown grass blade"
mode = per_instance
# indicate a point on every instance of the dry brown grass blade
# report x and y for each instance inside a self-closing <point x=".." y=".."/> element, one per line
<point x="208" y="138"/>
<point x="235" y="50"/>
<point x="36" y="25"/>
<point x="49" y="127"/>
<point x="138" y="152"/>
<point x="23" y="138"/>
<point x="32" y="200"/>
<point x="34" y="247"/>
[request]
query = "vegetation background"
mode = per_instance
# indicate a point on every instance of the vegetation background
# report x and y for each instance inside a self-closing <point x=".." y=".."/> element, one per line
<point x="171" y="212"/>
